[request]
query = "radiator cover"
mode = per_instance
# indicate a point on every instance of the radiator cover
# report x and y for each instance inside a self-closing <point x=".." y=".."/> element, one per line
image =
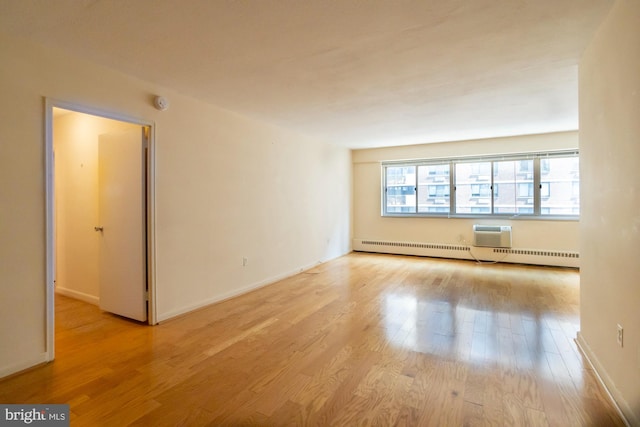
<point x="453" y="251"/>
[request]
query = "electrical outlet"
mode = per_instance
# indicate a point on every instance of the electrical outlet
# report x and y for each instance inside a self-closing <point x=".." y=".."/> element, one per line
<point x="245" y="261"/>
<point x="620" y="336"/>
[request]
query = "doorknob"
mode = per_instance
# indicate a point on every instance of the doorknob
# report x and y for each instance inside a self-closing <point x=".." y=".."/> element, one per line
<point x="99" y="228"/>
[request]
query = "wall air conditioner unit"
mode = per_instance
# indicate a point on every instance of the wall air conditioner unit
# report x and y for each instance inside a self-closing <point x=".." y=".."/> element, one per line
<point x="492" y="236"/>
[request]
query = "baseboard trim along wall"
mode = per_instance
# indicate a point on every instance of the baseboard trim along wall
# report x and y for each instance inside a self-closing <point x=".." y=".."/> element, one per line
<point x="232" y="294"/>
<point x="618" y="401"/>
<point x="91" y="299"/>
<point x="463" y="251"/>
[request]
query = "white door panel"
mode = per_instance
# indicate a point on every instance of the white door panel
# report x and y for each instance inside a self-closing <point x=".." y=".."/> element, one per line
<point x="122" y="213"/>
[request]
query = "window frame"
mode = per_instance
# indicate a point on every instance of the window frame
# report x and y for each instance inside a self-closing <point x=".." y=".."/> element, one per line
<point x="537" y="196"/>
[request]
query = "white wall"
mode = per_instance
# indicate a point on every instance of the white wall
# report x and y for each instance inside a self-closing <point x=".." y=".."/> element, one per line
<point x="610" y="193"/>
<point x="369" y="224"/>
<point x="226" y="188"/>
<point x="75" y="139"/>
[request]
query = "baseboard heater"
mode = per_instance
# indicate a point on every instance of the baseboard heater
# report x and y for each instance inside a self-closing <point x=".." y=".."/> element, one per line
<point x="492" y="236"/>
<point x="438" y="250"/>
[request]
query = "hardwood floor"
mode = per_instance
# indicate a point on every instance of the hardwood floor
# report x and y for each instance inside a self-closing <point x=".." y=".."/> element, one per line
<point x="362" y="340"/>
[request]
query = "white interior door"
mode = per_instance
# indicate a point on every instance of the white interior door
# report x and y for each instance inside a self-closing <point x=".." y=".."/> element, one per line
<point x="122" y="227"/>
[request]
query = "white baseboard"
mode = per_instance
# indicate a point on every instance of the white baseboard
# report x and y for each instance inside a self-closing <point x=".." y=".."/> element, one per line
<point x="614" y="394"/>
<point x="91" y="299"/>
<point x="234" y="293"/>
<point x="465" y="251"/>
<point x="23" y="365"/>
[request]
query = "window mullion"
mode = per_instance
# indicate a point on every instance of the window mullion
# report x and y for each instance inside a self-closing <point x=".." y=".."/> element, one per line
<point x="384" y="187"/>
<point x="452" y="188"/>
<point x="536" y="187"/>
<point x="491" y="187"/>
<point x="415" y="171"/>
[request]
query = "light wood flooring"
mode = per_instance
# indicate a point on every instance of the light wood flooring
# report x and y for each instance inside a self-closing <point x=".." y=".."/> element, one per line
<point x="365" y="339"/>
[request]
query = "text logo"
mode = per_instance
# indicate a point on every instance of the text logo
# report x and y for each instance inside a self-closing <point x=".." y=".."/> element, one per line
<point x="36" y="415"/>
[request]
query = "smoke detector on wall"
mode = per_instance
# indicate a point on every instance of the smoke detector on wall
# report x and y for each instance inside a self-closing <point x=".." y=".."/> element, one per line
<point x="161" y="103"/>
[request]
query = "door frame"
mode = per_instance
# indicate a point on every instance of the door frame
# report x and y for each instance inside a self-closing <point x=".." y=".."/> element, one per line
<point x="49" y="104"/>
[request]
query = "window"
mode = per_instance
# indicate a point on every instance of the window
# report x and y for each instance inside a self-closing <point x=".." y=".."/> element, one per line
<point x="525" y="166"/>
<point x="545" y="189"/>
<point x="473" y="187"/>
<point x="480" y="170"/>
<point x="544" y="165"/>
<point x="438" y="170"/>
<point x="480" y="190"/>
<point x="401" y="189"/>
<point x="525" y="189"/>
<point x="514" y="178"/>
<point x="433" y="188"/>
<point x="438" y="190"/>
<point x="561" y="178"/>
<point x="535" y="185"/>
<point x="401" y="175"/>
<point x="480" y="210"/>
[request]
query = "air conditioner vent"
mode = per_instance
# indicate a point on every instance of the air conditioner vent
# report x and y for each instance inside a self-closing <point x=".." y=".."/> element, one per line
<point x="492" y="236"/>
<point x="489" y="228"/>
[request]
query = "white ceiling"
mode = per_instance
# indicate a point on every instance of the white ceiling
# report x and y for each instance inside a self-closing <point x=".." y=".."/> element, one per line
<point x="360" y="73"/>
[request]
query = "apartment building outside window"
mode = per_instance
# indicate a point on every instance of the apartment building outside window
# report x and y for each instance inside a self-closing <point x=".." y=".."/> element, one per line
<point x="536" y="185"/>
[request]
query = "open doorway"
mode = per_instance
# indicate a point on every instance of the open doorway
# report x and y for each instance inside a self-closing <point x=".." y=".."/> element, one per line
<point x="81" y="250"/>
